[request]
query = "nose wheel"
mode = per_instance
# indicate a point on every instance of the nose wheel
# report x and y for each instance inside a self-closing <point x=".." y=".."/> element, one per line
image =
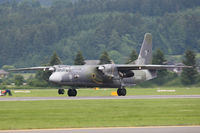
<point x="121" y="91"/>
<point x="72" y="92"/>
<point x="61" y="91"/>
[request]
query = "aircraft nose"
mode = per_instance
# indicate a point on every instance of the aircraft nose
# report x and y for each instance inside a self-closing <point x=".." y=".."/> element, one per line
<point x="55" y="77"/>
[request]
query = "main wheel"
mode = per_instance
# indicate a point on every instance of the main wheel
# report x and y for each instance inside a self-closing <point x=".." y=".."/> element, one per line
<point x="72" y="92"/>
<point x="121" y="92"/>
<point x="61" y="91"/>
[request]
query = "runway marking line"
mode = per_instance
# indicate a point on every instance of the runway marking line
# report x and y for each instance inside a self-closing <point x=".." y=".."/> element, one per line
<point x="99" y="128"/>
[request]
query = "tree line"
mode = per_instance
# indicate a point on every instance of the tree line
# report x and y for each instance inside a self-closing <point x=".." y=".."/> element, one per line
<point x="30" y="32"/>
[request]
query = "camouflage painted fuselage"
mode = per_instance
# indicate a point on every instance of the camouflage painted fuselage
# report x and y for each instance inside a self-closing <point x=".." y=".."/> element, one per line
<point x="90" y="76"/>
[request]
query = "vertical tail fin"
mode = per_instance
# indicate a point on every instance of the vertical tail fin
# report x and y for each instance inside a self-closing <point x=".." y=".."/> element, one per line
<point x="145" y="56"/>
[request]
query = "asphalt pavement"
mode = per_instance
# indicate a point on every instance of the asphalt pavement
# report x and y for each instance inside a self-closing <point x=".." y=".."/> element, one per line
<point x="6" y="98"/>
<point x="175" y="129"/>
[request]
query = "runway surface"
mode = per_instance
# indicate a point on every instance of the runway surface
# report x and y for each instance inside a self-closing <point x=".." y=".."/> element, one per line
<point x="97" y="97"/>
<point x="192" y="129"/>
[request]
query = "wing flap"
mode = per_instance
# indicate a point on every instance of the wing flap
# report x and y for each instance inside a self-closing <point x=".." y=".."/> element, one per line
<point x="149" y="67"/>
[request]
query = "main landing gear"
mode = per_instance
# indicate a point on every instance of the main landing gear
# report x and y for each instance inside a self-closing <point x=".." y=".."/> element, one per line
<point x="121" y="91"/>
<point x="71" y="92"/>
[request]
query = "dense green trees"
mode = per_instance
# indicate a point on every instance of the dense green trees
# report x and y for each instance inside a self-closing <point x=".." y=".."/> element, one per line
<point x="159" y="59"/>
<point x="19" y="80"/>
<point x="189" y="75"/>
<point x="132" y="57"/>
<point x="79" y="60"/>
<point x="55" y="60"/>
<point x="30" y="32"/>
<point x="105" y="59"/>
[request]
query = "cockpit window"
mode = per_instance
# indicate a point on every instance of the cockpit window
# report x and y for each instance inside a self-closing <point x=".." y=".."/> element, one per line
<point x="63" y="69"/>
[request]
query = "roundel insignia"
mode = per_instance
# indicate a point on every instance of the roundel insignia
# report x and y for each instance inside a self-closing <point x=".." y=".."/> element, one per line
<point x="93" y="76"/>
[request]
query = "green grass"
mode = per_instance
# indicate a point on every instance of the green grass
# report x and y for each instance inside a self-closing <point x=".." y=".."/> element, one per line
<point x="98" y="113"/>
<point x="107" y="92"/>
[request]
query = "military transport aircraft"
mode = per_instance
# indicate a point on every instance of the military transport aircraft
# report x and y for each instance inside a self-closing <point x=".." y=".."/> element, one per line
<point x="106" y="75"/>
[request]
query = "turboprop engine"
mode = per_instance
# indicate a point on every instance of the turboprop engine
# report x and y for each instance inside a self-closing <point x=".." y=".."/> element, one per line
<point x="111" y="71"/>
<point x="126" y="74"/>
<point x="108" y="70"/>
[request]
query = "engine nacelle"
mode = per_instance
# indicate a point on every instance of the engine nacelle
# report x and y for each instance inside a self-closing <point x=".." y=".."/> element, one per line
<point x="108" y="70"/>
<point x="126" y="74"/>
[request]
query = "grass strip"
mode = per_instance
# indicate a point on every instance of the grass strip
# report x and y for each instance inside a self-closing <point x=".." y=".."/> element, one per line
<point x="98" y="113"/>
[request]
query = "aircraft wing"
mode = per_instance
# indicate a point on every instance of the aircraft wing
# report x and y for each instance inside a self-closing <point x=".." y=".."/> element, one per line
<point x="149" y="67"/>
<point x="31" y="68"/>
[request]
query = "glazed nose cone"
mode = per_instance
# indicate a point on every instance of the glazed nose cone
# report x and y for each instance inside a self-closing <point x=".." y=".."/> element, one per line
<point x="55" y="77"/>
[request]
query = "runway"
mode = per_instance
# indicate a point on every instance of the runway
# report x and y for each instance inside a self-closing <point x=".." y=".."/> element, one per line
<point x="173" y="129"/>
<point x="97" y="97"/>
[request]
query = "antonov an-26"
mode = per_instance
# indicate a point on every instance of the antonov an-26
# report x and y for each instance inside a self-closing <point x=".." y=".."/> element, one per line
<point x="107" y="75"/>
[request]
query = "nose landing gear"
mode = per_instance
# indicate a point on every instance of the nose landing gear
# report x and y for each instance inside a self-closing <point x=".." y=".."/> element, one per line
<point x="61" y="91"/>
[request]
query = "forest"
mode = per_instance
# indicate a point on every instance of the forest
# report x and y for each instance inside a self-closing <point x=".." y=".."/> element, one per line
<point x="32" y="30"/>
